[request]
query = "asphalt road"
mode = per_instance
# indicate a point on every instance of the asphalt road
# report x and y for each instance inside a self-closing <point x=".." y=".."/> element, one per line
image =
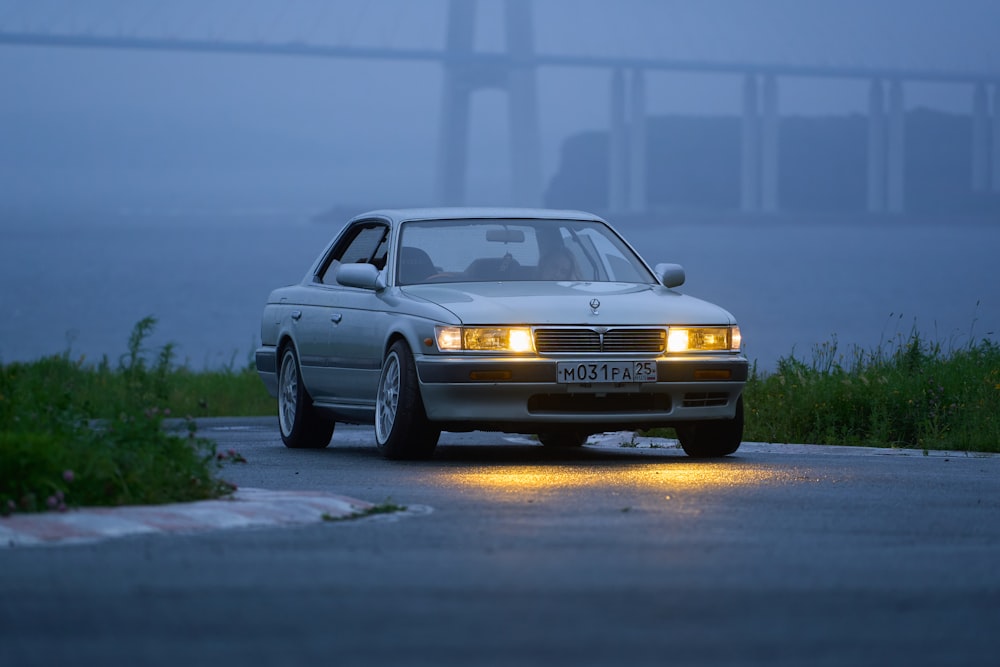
<point x="510" y="554"/>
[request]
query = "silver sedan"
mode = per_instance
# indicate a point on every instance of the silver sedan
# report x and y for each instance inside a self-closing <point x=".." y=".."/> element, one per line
<point x="515" y="320"/>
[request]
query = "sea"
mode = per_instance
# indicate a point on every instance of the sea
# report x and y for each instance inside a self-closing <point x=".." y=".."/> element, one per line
<point x="814" y="288"/>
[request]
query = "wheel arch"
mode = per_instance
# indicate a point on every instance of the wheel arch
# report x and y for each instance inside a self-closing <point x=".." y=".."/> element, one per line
<point x="411" y="332"/>
<point x="284" y="340"/>
<point x="391" y="340"/>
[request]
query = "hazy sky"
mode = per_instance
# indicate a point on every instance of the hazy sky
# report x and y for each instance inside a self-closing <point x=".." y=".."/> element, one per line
<point x="123" y="127"/>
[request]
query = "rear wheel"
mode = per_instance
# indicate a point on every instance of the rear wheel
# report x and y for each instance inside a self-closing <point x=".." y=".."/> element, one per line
<point x="301" y="425"/>
<point x="712" y="438"/>
<point x="567" y="438"/>
<point x="402" y="430"/>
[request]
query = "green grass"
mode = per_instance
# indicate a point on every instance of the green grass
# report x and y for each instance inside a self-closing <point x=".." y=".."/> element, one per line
<point x="911" y="393"/>
<point x="73" y="434"/>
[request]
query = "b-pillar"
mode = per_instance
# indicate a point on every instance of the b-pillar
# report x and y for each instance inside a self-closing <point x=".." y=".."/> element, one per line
<point x="463" y="75"/>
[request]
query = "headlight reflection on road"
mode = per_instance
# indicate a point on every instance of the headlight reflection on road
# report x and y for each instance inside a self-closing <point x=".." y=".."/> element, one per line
<point x="515" y="482"/>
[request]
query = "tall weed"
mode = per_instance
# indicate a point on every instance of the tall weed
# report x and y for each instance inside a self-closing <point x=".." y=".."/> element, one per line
<point x="908" y="393"/>
<point x="74" y="435"/>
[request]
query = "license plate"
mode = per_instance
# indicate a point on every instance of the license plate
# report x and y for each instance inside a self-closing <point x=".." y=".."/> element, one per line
<point x="579" y="372"/>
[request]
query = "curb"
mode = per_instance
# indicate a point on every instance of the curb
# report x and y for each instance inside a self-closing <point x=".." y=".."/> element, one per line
<point x="245" y="508"/>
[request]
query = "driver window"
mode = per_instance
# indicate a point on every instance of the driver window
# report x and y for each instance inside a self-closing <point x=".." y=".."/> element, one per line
<point x="365" y="243"/>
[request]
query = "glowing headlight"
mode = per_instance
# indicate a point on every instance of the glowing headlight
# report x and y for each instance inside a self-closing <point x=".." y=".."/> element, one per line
<point x="704" y="339"/>
<point x="736" y="340"/>
<point x="449" y="338"/>
<point x="491" y="339"/>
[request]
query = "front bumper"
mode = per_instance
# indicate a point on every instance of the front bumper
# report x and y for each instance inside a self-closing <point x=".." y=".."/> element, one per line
<point x="522" y="394"/>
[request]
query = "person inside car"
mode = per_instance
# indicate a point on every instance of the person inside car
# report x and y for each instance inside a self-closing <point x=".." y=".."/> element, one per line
<point x="558" y="264"/>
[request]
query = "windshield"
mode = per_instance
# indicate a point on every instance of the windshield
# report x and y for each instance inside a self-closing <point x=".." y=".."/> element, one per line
<point x="503" y="250"/>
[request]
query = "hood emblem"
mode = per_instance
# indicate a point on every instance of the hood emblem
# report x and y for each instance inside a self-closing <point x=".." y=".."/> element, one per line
<point x="594" y="305"/>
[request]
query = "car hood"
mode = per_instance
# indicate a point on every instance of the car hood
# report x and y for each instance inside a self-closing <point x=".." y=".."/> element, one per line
<point x="569" y="303"/>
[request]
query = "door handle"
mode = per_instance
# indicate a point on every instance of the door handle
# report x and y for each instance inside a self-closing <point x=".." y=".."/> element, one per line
<point x="336" y="317"/>
<point x="296" y="315"/>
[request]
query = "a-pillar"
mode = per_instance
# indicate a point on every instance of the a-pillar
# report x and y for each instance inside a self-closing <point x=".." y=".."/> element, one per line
<point x="637" y="143"/>
<point x="980" y="138"/>
<point x="617" y="145"/>
<point x="896" y="161"/>
<point x="750" y="154"/>
<point x="876" y="148"/>
<point x="522" y="98"/>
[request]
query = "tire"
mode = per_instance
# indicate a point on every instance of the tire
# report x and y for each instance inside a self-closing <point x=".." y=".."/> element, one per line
<point x="402" y="430"/>
<point x="568" y="438"/>
<point x="711" y="439"/>
<point x="301" y="425"/>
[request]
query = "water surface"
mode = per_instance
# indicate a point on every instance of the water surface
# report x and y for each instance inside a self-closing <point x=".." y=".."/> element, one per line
<point x="79" y="282"/>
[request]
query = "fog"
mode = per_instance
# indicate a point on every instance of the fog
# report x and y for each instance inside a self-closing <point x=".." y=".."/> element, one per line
<point x="131" y="127"/>
<point x="112" y="160"/>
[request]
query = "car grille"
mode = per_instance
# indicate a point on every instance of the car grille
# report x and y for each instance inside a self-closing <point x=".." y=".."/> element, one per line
<point x="576" y="340"/>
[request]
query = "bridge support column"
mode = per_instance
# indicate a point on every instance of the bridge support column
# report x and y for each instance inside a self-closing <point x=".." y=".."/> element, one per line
<point x="456" y="92"/>
<point x="522" y="95"/>
<point x="759" y="164"/>
<point x="750" y="148"/>
<point x="462" y="78"/>
<point x="769" y="146"/>
<point x="886" y="148"/>
<point x="876" y="148"/>
<point x="617" y="146"/>
<point x="627" y="142"/>
<point x="996" y="138"/>
<point x="637" y="143"/>
<point x="980" y="136"/>
<point x="896" y="163"/>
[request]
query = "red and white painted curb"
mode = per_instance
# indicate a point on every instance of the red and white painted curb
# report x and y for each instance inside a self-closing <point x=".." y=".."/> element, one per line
<point x="245" y="508"/>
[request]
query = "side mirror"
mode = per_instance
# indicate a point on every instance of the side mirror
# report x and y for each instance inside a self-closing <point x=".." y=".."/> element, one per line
<point x="365" y="276"/>
<point x="670" y="275"/>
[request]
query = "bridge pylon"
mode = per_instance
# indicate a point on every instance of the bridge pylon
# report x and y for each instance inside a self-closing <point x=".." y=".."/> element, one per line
<point x="464" y="74"/>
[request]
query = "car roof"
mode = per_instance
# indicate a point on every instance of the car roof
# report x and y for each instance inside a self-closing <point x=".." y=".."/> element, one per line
<point x="476" y="212"/>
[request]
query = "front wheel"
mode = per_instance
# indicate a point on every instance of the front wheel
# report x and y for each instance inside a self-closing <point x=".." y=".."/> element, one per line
<point x="711" y="439"/>
<point x="301" y="426"/>
<point x="402" y="430"/>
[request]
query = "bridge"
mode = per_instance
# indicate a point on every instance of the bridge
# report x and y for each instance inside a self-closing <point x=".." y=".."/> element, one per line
<point x="513" y="69"/>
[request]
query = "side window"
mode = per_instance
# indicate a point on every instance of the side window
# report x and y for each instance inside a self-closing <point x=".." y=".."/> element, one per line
<point x="378" y="258"/>
<point x="364" y="243"/>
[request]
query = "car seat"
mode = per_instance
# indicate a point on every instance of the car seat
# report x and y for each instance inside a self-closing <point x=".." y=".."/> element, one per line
<point x="414" y="265"/>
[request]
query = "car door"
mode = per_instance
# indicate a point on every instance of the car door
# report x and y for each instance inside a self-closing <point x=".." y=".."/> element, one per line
<point x="352" y="317"/>
<point x="308" y="316"/>
<point x="356" y="341"/>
